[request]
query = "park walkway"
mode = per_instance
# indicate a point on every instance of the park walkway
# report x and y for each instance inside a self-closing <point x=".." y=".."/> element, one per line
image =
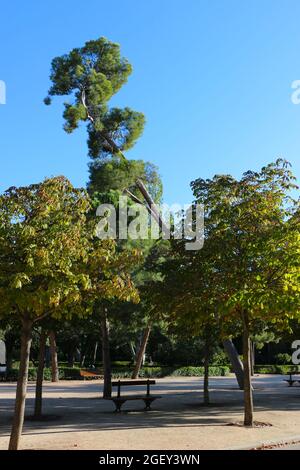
<point x="82" y="420"/>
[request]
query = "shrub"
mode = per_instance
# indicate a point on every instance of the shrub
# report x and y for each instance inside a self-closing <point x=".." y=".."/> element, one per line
<point x="276" y="369"/>
<point x="283" y="358"/>
<point x="188" y="371"/>
<point x="65" y="373"/>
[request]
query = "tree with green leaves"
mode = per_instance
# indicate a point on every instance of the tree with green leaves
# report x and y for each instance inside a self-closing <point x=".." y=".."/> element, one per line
<point x="91" y="75"/>
<point x="182" y="296"/>
<point x="51" y="265"/>
<point x="252" y="245"/>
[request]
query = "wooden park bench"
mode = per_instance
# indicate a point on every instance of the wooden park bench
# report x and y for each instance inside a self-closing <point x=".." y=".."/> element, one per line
<point x="120" y="400"/>
<point x="291" y="381"/>
<point x="90" y="374"/>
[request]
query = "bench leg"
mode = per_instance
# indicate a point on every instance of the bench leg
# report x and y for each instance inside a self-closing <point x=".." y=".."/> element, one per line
<point x="118" y="405"/>
<point x="148" y="402"/>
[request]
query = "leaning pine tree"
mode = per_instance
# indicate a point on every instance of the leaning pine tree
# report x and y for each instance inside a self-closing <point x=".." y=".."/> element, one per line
<point x="90" y="76"/>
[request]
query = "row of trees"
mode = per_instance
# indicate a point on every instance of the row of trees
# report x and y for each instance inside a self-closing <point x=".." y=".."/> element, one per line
<point x="245" y="280"/>
<point x="53" y="268"/>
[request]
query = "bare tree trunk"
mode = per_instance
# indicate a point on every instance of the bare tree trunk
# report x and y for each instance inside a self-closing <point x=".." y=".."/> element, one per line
<point x="9" y="360"/>
<point x="82" y="360"/>
<point x="95" y="353"/>
<point x="252" y="358"/>
<point x="235" y="361"/>
<point x="141" y="353"/>
<point x="106" y="355"/>
<point x="206" y="376"/>
<point x="152" y="207"/>
<point x="248" y="396"/>
<point x="54" y="363"/>
<point x="132" y="350"/>
<point x="21" y="391"/>
<point x="71" y="358"/>
<point x="40" y="377"/>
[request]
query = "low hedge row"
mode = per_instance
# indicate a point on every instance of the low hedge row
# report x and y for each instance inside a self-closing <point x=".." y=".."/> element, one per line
<point x="173" y="372"/>
<point x="73" y="373"/>
<point x="65" y="373"/>
<point x="276" y="369"/>
<point x="69" y="373"/>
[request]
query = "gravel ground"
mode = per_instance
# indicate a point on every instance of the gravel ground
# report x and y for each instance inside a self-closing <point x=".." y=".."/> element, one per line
<point x="82" y="420"/>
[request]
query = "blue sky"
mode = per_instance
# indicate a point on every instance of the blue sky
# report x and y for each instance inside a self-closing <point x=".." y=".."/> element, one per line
<point x="213" y="78"/>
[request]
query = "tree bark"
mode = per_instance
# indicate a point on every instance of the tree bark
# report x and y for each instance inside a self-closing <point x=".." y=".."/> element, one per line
<point x="18" y="419"/>
<point x="141" y="353"/>
<point x="106" y="355"/>
<point x="40" y="377"/>
<point x="71" y="358"/>
<point x="82" y="360"/>
<point x="235" y="361"/>
<point x="206" y="376"/>
<point x="95" y="353"/>
<point x="54" y="362"/>
<point x="248" y="395"/>
<point x="133" y="351"/>
<point x="252" y="357"/>
<point x="9" y="359"/>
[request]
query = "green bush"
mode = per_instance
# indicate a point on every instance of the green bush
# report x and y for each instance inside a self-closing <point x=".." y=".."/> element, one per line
<point x="276" y="369"/>
<point x="220" y="358"/>
<point x="64" y="373"/>
<point x="73" y="373"/>
<point x="189" y="371"/>
<point x="283" y="358"/>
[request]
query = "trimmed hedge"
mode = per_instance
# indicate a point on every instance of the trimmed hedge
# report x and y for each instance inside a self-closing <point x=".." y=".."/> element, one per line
<point x="276" y="369"/>
<point x="65" y="373"/>
<point x="173" y="372"/>
<point x="73" y="373"/>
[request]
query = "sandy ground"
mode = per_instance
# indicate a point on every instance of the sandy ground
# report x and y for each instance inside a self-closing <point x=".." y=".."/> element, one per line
<point x="178" y="421"/>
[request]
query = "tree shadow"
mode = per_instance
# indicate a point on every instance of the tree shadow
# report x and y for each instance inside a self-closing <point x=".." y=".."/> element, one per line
<point x="180" y="406"/>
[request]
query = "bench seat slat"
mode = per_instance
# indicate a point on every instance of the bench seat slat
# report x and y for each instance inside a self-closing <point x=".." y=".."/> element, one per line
<point x="132" y="397"/>
<point x="115" y="383"/>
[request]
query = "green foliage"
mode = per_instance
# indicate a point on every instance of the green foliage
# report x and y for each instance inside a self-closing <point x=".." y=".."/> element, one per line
<point x="276" y="369"/>
<point x="90" y="76"/>
<point x="188" y="371"/>
<point x="248" y="269"/>
<point x="66" y="373"/>
<point x="50" y="261"/>
<point x="109" y="178"/>
<point x="252" y="245"/>
<point x="283" y="358"/>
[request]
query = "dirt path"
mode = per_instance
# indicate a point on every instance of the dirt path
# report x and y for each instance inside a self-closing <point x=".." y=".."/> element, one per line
<point x="178" y="421"/>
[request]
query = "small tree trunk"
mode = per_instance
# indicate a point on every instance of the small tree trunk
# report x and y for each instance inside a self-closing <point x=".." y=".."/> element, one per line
<point x="9" y="359"/>
<point x="47" y="356"/>
<point x="141" y="353"/>
<point x="133" y="351"/>
<point x="82" y="360"/>
<point x="235" y="361"/>
<point x="54" y="363"/>
<point x="21" y="391"/>
<point x="71" y="358"/>
<point x="39" y="377"/>
<point x="252" y="357"/>
<point x="95" y="353"/>
<point x="248" y="396"/>
<point x="106" y="355"/>
<point x="206" y="376"/>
